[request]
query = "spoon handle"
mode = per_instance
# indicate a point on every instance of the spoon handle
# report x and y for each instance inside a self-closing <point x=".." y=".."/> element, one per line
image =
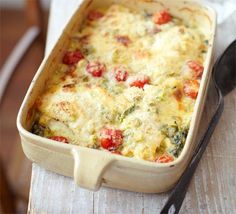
<point x="177" y="195"/>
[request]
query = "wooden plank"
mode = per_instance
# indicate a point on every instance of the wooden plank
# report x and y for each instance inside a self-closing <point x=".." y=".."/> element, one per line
<point x="211" y="191"/>
<point x="56" y="194"/>
<point x="113" y="201"/>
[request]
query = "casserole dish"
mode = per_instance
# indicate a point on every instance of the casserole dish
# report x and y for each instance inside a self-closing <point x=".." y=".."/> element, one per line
<point x="112" y="170"/>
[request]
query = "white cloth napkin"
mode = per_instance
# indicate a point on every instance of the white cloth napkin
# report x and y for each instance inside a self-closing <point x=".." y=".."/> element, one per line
<point x="224" y="9"/>
<point x="226" y="19"/>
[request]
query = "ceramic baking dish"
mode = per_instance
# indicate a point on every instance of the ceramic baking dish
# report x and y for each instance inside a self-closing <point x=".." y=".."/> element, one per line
<point x="92" y="168"/>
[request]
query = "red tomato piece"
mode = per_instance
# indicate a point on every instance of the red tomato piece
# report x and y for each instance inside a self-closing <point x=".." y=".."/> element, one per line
<point x="164" y="159"/>
<point x="94" y="15"/>
<point x="124" y="40"/>
<point x="59" y="139"/>
<point x="162" y="17"/>
<point x="72" y="57"/>
<point x="140" y="82"/>
<point x="196" y="67"/>
<point x="121" y="73"/>
<point x="111" y="139"/>
<point x="96" y="68"/>
<point x="191" y="88"/>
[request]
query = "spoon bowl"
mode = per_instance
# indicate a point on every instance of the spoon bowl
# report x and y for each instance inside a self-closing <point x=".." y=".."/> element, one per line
<point x="225" y="70"/>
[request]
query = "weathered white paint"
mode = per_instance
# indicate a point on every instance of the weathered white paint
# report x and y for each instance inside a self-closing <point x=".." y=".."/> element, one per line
<point x="212" y="190"/>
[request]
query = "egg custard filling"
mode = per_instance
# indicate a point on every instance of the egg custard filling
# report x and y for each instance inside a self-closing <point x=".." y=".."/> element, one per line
<point x="127" y="84"/>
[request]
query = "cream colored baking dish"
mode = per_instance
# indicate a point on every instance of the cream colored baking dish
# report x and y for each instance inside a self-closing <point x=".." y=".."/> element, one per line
<point x="92" y="168"/>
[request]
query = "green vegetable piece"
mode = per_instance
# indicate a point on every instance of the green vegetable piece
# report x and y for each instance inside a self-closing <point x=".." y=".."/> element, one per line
<point x="87" y="50"/>
<point x="38" y="129"/>
<point x="126" y="113"/>
<point x="177" y="137"/>
<point x="206" y="42"/>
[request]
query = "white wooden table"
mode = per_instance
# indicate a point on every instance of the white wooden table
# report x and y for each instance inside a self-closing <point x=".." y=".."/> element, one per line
<point x="212" y="190"/>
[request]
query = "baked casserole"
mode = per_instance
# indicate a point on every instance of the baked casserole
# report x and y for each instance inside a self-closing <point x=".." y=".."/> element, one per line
<point x="127" y="84"/>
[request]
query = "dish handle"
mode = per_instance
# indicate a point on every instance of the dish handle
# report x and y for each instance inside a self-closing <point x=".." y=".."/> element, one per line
<point x="89" y="167"/>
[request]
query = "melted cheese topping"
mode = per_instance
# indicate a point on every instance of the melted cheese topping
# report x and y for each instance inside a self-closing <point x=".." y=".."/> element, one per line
<point x="154" y="119"/>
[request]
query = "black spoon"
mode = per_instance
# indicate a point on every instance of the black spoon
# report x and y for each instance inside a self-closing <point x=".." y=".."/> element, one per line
<point x="224" y="78"/>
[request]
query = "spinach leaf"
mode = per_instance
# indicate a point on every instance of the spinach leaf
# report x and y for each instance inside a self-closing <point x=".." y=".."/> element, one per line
<point x="177" y="136"/>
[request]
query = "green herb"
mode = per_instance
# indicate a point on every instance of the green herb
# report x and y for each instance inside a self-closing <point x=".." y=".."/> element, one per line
<point x="115" y="56"/>
<point x="107" y="116"/>
<point x="206" y="42"/>
<point x="95" y="141"/>
<point x="161" y="149"/>
<point x="117" y="89"/>
<point x="84" y="78"/>
<point x="88" y="50"/>
<point x="157" y="111"/>
<point x="177" y="136"/>
<point x="169" y="131"/>
<point x="38" y="129"/>
<point x="104" y="83"/>
<point x="177" y="20"/>
<point x="177" y="150"/>
<point x="147" y="14"/>
<point x="126" y="112"/>
<point x="153" y="110"/>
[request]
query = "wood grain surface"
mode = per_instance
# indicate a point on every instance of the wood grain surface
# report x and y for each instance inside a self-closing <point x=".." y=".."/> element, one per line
<point x="212" y="190"/>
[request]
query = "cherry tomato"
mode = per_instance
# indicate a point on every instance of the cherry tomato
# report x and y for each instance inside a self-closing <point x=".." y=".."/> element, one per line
<point x="121" y="73"/>
<point x="196" y="67"/>
<point x="94" y="15"/>
<point x="161" y="17"/>
<point x="140" y="82"/>
<point x="59" y="139"/>
<point x="96" y="68"/>
<point x="164" y="159"/>
<point x="72" y="57"/>
<point x="191" y="88"/>
<point x="111" y="139"/>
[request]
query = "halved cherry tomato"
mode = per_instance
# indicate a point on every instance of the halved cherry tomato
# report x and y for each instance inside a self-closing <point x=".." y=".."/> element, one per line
<point x="196" y="67"/>
<point x="121" y="73"/>
<point x="96" y="68"/>
<point x="191" y="88"/>
<point x="161" y="17"/>
<point x="164" y="159"/>
<point x="94" y="15"/>
<point x="111" y="139"/>
<point x="140" y="82"/>
<point x="59" y="139"/>
<point x="124" y="40"/>
<point x="72" y="57"/>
